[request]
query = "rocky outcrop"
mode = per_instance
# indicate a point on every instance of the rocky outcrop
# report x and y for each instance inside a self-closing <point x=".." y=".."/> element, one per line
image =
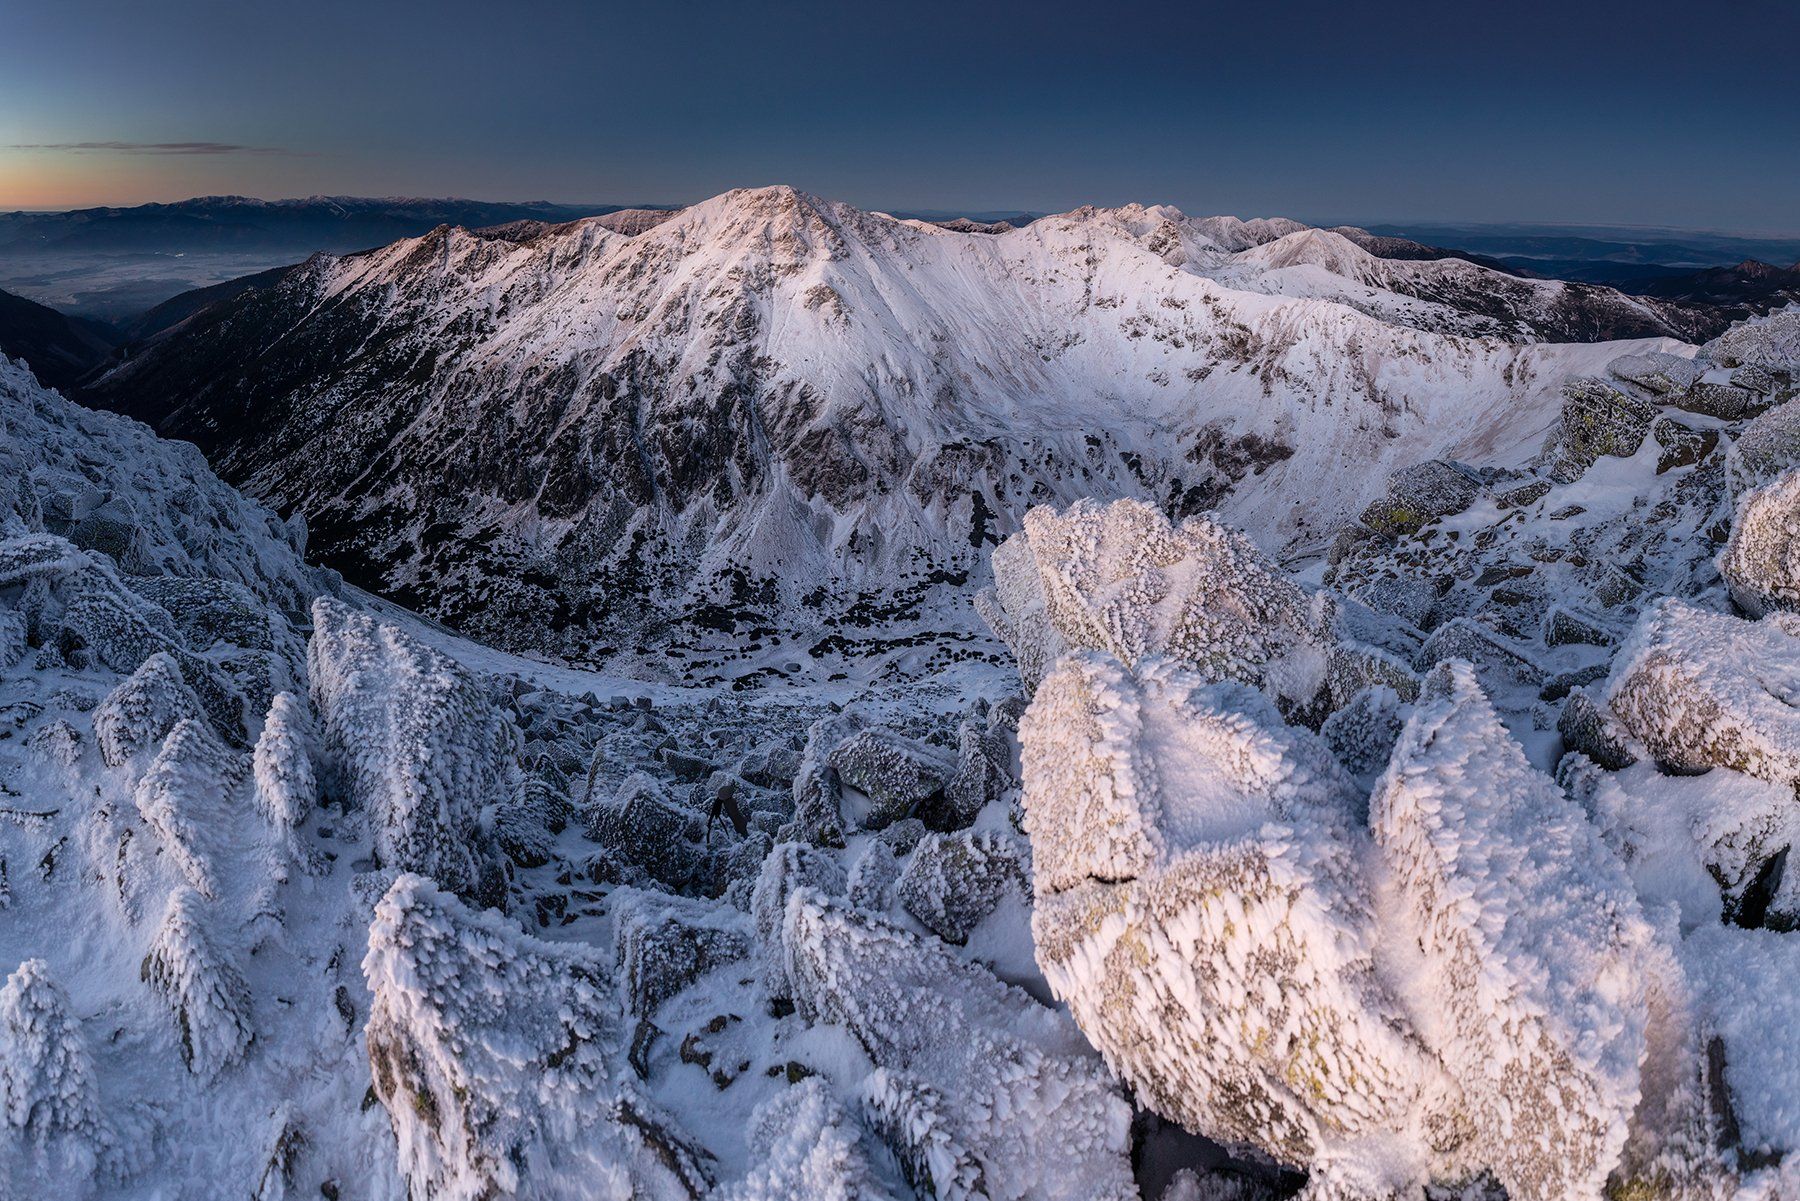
<point x="1121" y="579"/>
<point x="1206" y="923"/>
<point x="489" y="1050"/>
<point x="1701" y="690"/>
<point x="981" y="1091"/>
<point x="1761" y="561"/>
<point x="1417" y="494"/>
<point x="415" y="741"/>
<point x="1598" y="419"/>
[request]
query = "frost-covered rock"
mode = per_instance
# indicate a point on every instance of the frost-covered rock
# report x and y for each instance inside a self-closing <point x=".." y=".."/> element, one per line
<point x="898" y="774"/>
<point x="664" y="943"/>
<point x="983" y="770"/>
<point x="286" y="784"/>
<point x="1363" y="732"/>
<point x="790" y="866"/>
<point x="806" y="1145"/>
<point x="1588" y="728"/>
<point x="1120" y="579"/>
<point x="1420" y="493"/>
<point x="1707" y="842"/>
<point x="110" y="483"/>
<point x="1199" y="909"/>
<point x="1766" y="449"/>
<point x="193" y="971"/>
<point x="1655" y="371"/>
<point x="1501" y="667"/>
<point x="1771" y="342"/>
<point x="1761" y="561"/>
<point x="985" y="1091"/>
<point x="47" y="1084"/>
<point x="1018" y="612"/>
<point x="419" y="743"/>
<point x="489" y="1049"/>
<point x="1598" y="419"/>
<point x="1702" y="690"/>
<point x="953" y="881"/>
<point x="1535" y="957"/>
<point x="871" y="879"/>
<point x="137" y="714"/>
<point x="641" y="825"/>
<point x="185" y="794"/>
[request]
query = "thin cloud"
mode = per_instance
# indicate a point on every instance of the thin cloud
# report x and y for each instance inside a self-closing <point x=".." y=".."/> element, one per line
<point x="153" y="147"/>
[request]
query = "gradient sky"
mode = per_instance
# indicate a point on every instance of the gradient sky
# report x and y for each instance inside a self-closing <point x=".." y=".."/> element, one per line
<point x="1647" y="112"/>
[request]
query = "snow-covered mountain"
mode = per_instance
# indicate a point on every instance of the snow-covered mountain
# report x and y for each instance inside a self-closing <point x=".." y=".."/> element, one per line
<point x="769" y="403"/>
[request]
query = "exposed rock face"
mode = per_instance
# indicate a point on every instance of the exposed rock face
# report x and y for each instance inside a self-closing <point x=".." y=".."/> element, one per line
<point x="1598" y="419"/>
<point x="418" y="743"/>
<point x="1419" y="493"/>
<point x="1761" y="562"/>
<point x="1199" y="908"/>
<point x="489" y="1050"/>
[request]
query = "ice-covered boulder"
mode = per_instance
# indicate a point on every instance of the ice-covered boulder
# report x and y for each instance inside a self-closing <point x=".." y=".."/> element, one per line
<point x="1200" y="910"/>
<point x="1708" y="842"/>
<point x="898" y="774"/>
<point x="1535" y="962"/>
<point x="807" y="1145"/>
<point x="47" y="1086"/>
<point x="491" y="1050"/>
<point x="1119" y="578"/>
<point x="1768" y="448"/>
<point x="191" y="966"/>
<point x="1761" y="561"/>
<point x="641" y="825"/>
<point x="982" y="1091"/>
<point x="140" y="712"/>
<point x="1420" y="494"/>
<point x="1363" y="732"/>
<point x="1701" y="690"/>
<point x="185" y="794"/>
<point x="953" y="881"/>
<point x="1771" y="342"/>
<point x="790" y="866"/>
<point x="983" y="770"/>
<point x="1655" y="371"/>
<point x="286" y="784"/>
<point x="664" y="943"/>
<point x="1018" y="612"/>
<point x="417" y="742"/>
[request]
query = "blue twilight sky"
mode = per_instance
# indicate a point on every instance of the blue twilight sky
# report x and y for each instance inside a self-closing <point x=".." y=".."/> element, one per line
<point x="1652" y="112"/>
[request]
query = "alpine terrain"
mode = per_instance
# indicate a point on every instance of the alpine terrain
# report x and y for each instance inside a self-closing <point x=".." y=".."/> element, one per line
<point x="769" y="700"/>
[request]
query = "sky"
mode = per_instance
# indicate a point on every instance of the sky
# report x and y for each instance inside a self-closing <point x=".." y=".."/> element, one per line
<point x="1651" y="113"/>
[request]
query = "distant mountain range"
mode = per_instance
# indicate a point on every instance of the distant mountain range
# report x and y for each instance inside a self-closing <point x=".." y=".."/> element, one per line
<point x="243" y="224"/>
<point x="113" y="264"/>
